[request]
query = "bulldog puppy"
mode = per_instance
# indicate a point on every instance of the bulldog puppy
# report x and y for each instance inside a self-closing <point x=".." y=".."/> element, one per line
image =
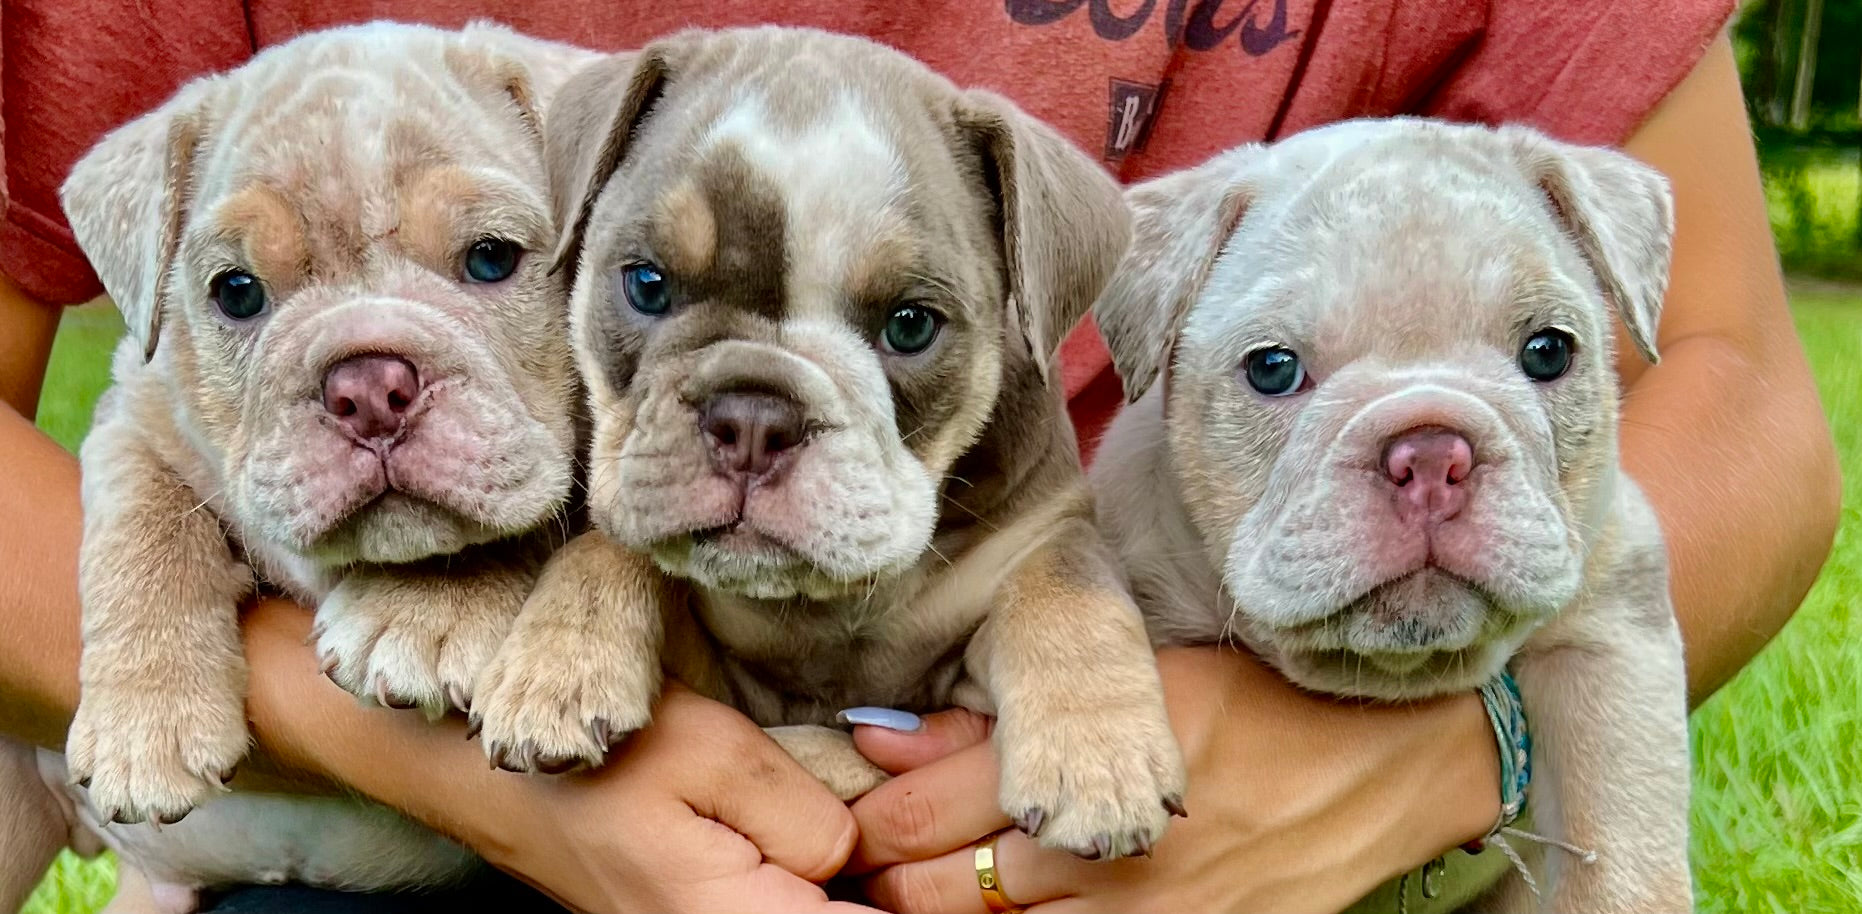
<point x="817" y="291"/>
<point x="347" y="378"/>
<point x="1374" y="440"/>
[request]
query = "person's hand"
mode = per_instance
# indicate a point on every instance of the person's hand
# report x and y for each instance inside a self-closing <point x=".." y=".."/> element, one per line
<point x="1296" y="803"/>
<point x="698" y="812"/>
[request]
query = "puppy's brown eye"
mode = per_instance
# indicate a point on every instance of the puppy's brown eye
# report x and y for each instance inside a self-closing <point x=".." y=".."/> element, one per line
<point x="238" y="294"/>
<point x="491" y="260"/>
<point x="1547" y="355"/>
<point x="910" y="329"/>
<point x="1275" y="371"/>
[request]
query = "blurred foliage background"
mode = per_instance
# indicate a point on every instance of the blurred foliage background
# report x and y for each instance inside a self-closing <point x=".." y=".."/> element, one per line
<point x="1801" y="63"/>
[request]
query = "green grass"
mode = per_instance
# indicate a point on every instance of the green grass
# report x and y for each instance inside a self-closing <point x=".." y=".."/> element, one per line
<point x="1777" y="754"/>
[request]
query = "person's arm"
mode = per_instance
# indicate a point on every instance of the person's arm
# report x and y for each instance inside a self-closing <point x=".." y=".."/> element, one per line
<point x="1727" y="437"/>
<point x="25" y="347"/>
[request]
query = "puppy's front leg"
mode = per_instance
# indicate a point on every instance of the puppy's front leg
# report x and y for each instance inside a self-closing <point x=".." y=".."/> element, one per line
<point x="1606" y="699"/>
<point x="581" y="666"/>
<point x="830" y="756"/>
<point x="161" y="718"/>
<point x="420" y="635"/>
<point x="1089" y="763"/>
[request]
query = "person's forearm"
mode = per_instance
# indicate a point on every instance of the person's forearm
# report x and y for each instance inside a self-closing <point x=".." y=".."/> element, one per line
<point x="1747" y="490"/>
<point x="309" y="727"/>
<point x="39" y="643"/>
<point x="26" y="330"/>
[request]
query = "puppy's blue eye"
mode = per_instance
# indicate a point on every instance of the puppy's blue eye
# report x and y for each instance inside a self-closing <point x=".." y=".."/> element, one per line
<point x="1275" y="371"/>
<point x="238" y="294"/>
<point x="1547" y="355"/>
<point x="910" y="329"/>
<point x="646" y="289"/>
<point x="491" y="260"/>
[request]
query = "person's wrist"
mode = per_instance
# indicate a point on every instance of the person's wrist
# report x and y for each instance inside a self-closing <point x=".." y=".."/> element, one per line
<point x="1399" y="784"/>
<point x="312" y="734"/>
<point x="1459" y="802"/>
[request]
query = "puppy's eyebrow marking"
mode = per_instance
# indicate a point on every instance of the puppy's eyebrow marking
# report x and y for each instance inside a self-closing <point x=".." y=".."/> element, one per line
<point x="689" y="228"/>
<point x="269" y="232"/>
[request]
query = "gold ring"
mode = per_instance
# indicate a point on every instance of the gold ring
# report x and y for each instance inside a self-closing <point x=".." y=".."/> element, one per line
<point x="989" y="881"/>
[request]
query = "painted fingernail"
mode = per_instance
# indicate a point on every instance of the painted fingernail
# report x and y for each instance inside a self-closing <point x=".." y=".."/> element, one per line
<point x="889" y="718"/>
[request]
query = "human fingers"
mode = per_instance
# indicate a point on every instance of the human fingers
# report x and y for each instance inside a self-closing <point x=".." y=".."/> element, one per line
<point x="928" y="812"/>
<point x="939" y="735"/>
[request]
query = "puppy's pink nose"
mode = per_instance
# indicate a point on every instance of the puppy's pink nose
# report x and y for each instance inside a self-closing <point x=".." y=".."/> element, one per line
<point x="748" y="431"/>
<point x="1428" y="467"/>
<point x="370" y="394"/>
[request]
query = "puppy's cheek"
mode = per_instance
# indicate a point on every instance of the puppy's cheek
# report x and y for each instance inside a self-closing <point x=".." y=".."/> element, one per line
<point x="850" y="507"/>
<point x="659" y="483"/>
<point x="484" y="458"/>
<point x="302" y="478"/>
<point x="1516" y="544"/>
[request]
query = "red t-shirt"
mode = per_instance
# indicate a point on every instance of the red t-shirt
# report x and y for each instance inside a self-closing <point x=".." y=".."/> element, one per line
<point x="1148" y="85"/>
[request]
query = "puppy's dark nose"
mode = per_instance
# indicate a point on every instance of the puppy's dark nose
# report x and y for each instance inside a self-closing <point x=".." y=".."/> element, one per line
<point x="371" y="394"/>
<point x="1428" y="466"/>
<point x="748" y="431"/>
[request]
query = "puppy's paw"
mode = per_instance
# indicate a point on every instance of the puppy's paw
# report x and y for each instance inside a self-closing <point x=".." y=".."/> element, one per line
<point x="1097" y="783"/>
<point x="829" y="755"/>
<point x="153" y="756"/>
<point x="418" y="641"/>
<point x="558" y="697"/>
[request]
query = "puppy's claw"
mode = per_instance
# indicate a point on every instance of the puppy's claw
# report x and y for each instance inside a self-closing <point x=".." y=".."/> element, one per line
<point x="1143" y="848"/>
<point x="328" y="668"/>
<point x="1031" y="821"/>
<point x="457" y="697"/>
<point x="1174" y="804"/>
<point x="495" y="754"/>
<point x="557" y="764"/>
<point x="390" y="700"/>
<point x="474" y="724"/>
<point x="1101" y="849"/>
<point x="85" y="782"/>
<point x="169" y="818"/>
<point x="603" y="733"/>
<point x="226" y="777"/>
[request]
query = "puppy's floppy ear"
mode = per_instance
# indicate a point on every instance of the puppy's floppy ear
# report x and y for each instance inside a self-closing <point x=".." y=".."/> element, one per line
<point x="1061" y="220"/>
<point x="594" y="116"/>
<point x="1179" y="224"/>
<point x="126" y="200"/>
<point x="1621" y="214"/>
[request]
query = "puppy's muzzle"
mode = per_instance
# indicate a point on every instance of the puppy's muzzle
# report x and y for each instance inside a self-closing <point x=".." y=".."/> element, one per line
<point x="751" y="436"/>
<point x="370" y="395"/>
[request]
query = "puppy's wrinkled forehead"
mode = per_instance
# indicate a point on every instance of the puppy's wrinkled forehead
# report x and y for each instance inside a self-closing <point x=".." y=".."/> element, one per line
<point x="1408" y="250"/>
<point x="311" y="168"/>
